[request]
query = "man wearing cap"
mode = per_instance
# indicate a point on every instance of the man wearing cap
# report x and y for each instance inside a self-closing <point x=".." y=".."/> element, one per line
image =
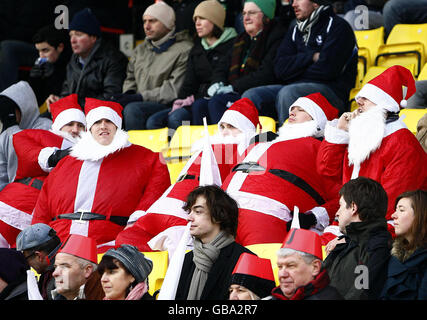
<point x="374" y="142"/>
<point x="318" y="55"/>
<point x="75" y="270"/>
<point x="275" y="176"/>
<point x="156" y="69"/>
<point x="252" y="278"/>
<point x="103" y="180"/>
<point x="96" y="69"/>
<point x="39" y="244"/>
<point x="37" y="151"/>
<point x="161" y="227"/>
<point x="301" y="274"/>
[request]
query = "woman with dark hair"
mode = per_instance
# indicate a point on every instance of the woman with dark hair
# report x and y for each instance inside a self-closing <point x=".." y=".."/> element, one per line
<point x="124" y="274"/>
<point x="407" y="268"/>
<point x="206" y="65"/>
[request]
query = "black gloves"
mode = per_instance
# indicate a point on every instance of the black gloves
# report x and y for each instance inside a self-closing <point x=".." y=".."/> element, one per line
<point x="57" y="156"/>
<point x="306" y="220"/>
<point x="125" y="98"/>
<point x="42" y="71"/>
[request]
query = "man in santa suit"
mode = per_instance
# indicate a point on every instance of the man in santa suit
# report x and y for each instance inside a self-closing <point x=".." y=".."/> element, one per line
<point x="37" y="152"/>
<point x="374" y="142"/>
<point x="278" y="175"/>
<point x="165" y="219"/>
<point x="95" y="189"/>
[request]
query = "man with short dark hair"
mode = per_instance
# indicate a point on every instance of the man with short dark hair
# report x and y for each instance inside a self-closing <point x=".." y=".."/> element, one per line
<point x="206" y="273"/>
<point x="358" y="267"/>
<point x="39" y="244"/>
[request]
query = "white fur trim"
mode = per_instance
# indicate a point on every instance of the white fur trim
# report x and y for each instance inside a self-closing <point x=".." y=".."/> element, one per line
<point x="314" y="110"/>
<point x="103" y="112"/>
<point x="68" y="116"/>
<point x="379" y="97"/>
<point x="14" y="217"/>
<point x="135" y="216"/>
<point x="168" y="240"/>
<point x="322" y="218"/>
<point x="43" y="158"/>
<point x="169" y="206"/>
<point x="334" y="230"/>
<point x="88" y="149"/>
<point x="335" y="135"/>
<point x="237" y="120"/>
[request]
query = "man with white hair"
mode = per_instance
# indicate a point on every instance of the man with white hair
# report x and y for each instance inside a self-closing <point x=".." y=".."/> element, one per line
<point x="374" y="142"/>
<point x="275" y="176"/>
<point x="301" y="274"/>
<point x="156" y="69"/>
<point x="166" y="219"/>
<point x="38" y="151"/>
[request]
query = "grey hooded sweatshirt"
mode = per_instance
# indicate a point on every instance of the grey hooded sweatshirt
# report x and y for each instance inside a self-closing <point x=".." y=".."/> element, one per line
<point x="22" y="94"/>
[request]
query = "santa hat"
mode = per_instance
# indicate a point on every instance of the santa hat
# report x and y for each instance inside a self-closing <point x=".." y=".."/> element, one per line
<point x="99" y="109"/>
<point x="66" y="110"/>
<point x="386" y="89"/>
<point x="318" y="107"/>
<point x="254" y="273"/>
<point x="80" y="246"/>
<point x="242" y="115"/>
<point x="305" y="241"/>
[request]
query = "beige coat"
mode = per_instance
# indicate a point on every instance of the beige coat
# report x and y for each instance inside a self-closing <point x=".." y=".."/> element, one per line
<point x="158" y="76"/>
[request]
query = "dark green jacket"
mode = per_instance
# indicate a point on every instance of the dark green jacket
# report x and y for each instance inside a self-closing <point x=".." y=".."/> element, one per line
<point x="358" y="268"/>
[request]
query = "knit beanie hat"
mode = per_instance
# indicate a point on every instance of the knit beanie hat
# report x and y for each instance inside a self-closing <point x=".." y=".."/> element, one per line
<point x="162" y="12"/>
<point x="268" y="7"/>
<point x="321" y="2"/>
<point x="211" y="10"/>
<point x="85" y="21"/>
<point x="133" y="260"/>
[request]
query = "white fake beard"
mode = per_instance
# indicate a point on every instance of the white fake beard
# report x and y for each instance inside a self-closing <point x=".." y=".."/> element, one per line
<point x="289" y="131"/>
<point x="87" y="148"/>
<point x="366" y="133"/>
<point x="67" y="135"/>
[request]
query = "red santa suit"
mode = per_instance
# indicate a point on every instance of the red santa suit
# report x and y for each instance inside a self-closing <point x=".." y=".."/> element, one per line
<point x="276" y="176"/>
<point x="161" y="226"/>
<point x="373" y="147"/>
<point x="33" y="148"/>
<point x="95" y="189"/>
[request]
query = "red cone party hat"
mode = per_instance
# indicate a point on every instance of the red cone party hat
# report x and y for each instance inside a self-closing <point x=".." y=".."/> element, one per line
<point x="80" y="246"/>
<point x="252" y="265"/>
<point x="304" y="240"/>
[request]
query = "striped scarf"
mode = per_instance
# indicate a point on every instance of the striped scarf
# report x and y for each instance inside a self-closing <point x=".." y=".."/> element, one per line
<point x="305" y="26"/>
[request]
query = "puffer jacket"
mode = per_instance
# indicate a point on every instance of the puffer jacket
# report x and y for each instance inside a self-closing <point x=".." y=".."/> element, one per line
<point x="101" y="77"/>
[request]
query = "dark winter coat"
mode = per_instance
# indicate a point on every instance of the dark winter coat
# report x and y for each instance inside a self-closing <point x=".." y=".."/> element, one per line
<point x="333" y="37"/>
<point x="365" y="253"/>
<point x="102" y="75"/>
<point x="219" y="278"/>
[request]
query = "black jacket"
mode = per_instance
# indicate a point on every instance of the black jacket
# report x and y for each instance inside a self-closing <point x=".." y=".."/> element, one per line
<point x="365" y="253"/>
<point x="102" y="75"/>
<point x="204" y="67"/>
<point x="219" y="278"/>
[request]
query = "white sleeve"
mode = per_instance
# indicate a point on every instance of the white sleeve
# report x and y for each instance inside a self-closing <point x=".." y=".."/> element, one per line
<point x="335" y="135"/>
<point x="43" y="158"/>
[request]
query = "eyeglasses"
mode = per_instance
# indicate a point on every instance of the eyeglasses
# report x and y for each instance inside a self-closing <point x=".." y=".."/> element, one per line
<point x="250" y="13"/>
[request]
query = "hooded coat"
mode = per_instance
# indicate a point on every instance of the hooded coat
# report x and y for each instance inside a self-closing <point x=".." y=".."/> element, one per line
<point x="22" y="94"/>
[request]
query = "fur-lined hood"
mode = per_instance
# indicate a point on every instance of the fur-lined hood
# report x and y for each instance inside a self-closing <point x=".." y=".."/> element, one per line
<point x="399" y="251"/>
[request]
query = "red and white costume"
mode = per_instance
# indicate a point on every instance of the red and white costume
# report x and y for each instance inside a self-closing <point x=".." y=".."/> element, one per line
<point x="384" y="151"/>
<point x="165" y="219"/>
<point x="280" y="175"/>
<point x="110" y="182"/>
<point x="33" y="147"/>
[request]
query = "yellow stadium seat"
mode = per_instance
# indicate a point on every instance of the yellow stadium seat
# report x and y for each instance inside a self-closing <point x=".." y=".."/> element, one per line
<point x="175" y="168"/>
<point x="370" y="41"/>
<point x="43" y="108"/>
<point x="405" y="45"/>
<point x="156" y="139"/>
<point x="423" y="73"/>
<point x="370" y="74"/>
<point x="185" y="136"/>
<point x="412" y="116"/>
<point x="268" y="124"/>
<point x="157" y="275"/>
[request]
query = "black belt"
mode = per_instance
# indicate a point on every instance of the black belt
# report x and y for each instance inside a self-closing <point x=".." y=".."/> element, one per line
<point x="35" y="183"/>
<point x="86" y="216"/>
<point x="299" y="182"/>
<point x="187" y="177"/>
<point x="248" y="167"/>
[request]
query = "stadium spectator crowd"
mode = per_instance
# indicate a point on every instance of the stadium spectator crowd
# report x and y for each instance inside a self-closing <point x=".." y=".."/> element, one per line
<point x="341" y="191"/>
